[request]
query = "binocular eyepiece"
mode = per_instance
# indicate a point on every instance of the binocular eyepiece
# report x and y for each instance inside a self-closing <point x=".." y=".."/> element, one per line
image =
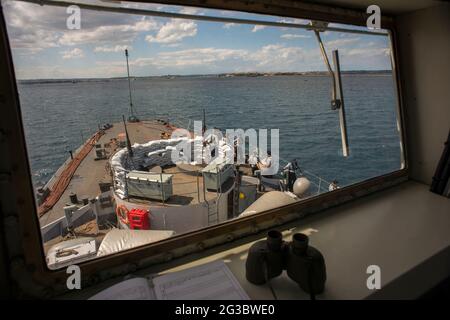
<point x="304" y="264"/>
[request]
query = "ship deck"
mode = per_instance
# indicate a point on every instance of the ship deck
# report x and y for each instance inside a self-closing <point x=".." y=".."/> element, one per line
<point x="90" y="172"/>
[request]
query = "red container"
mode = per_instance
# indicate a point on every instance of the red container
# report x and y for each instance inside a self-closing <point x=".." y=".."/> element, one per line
<point x="139" y="219"/>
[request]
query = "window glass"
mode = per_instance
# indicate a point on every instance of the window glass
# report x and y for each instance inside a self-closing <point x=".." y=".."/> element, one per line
<point x="104" y="98"/>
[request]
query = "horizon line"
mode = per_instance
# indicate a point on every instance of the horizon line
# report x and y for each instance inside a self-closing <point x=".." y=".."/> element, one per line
<point x="210" y="74"/>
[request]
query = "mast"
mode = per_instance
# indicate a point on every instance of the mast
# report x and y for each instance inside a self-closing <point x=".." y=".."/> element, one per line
<point x="204" y="122"/>
<point x="131" y="116"/>
<point x="130" y="150"/>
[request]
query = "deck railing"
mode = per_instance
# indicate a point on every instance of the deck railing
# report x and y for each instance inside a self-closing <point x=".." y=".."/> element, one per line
<point x="319" y="183"/>
<point x="197" y="191"/>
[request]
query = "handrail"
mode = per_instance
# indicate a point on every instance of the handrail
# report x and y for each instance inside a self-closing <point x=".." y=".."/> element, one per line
<point x="311" y="175"/>
<point x="218" y="193"/>
<point x="314" y="179"/>
<point x="198" y="188"/>
<point x="162" y="192"/>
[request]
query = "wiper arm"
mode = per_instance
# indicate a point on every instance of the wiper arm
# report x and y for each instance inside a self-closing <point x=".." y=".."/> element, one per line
<point x="337" y="99"/>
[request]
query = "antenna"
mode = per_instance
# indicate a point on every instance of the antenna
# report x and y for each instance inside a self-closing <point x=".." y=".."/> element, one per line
<point x="131" y="117"/>
<point x="130" y="150"/>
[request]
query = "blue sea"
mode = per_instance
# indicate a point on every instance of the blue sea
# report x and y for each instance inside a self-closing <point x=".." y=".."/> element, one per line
<point x="59" y="116"/>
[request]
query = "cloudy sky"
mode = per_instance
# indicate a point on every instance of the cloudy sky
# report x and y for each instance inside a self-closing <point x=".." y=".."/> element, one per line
<point x="43" y="47"/>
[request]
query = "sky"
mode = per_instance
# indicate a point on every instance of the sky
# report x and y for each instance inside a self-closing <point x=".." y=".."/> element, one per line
<point x="44" y="48"/>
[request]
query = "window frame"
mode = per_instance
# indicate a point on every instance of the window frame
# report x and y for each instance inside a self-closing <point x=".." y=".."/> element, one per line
<point x="17" y="202"/>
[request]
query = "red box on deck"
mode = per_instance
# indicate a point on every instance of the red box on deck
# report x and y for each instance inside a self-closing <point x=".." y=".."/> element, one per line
<point x="139" y="219"/>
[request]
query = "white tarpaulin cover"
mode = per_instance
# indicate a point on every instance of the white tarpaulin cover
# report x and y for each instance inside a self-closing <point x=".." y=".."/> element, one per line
<point x="270" y="200"/>
<point x="117" y="239"/>
<point x="155" y="153"/>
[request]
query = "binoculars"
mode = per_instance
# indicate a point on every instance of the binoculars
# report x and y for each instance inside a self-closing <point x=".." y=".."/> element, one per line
<point x="304" y="264"/>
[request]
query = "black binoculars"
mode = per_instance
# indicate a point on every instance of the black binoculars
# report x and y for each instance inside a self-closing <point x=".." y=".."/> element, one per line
<point x="304" y="264"/>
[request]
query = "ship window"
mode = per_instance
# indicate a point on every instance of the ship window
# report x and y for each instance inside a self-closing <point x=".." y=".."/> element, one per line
<point x="176" y="123"/>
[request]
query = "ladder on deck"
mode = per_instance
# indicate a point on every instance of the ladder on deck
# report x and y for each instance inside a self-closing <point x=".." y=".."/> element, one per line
<point x="213" y="212"/>
<point x="213" y="206"/>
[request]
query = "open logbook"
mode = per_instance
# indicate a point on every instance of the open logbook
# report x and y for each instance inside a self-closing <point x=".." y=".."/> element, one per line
<point x="211" y="281"/>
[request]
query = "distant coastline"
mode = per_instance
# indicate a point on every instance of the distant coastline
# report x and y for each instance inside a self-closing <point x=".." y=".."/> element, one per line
<point x="218" y="75"/>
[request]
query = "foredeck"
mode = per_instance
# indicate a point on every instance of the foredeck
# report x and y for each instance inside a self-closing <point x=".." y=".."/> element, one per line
<point x="85" y="181"/>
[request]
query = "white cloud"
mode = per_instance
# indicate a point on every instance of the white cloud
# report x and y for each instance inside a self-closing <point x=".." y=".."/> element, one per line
<point x="22" y="30"/>
<point x="258" y="28"/>
<point x="229" y="25"/>
<point x="147" y="6"/>
<point x="269" y="58"/>
<point x="191" y="10"/>
<point x="368" y="52"/>
<point x="276" y="57"/>
<point x="273" y="57"/>
<point x="116" y="48"/>
<point x="125" y="33"/>
<point x="173" y="45"/>
<point x="294" y="21"/>
<point x="35" y="41"/>
<point x="191" y="57"/>
<point x="339" y="43"/>
<point x="232" y="13"/>
<point x="291" y="36"/>
<point x="174" y="31"/>
<point x="33" y="28"/>
<point x="75" y="53"/>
